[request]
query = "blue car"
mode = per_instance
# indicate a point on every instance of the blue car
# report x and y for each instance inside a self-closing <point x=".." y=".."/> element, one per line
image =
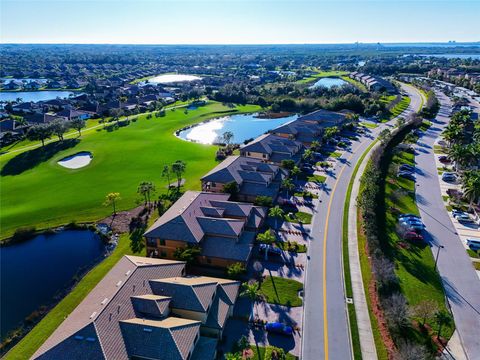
<point x="279" y="328"/>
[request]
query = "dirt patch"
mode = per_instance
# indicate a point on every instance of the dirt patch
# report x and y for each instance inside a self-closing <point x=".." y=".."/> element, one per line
<point x="120" y="222"/>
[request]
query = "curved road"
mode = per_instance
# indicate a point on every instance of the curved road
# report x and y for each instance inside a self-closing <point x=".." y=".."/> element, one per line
<point x="461" y="283"/>
<point x="326" y="333"/>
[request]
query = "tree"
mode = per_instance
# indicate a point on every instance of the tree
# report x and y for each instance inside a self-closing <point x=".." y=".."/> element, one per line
<point x="471" y="186"/>
<point x="266" y="238"/>
<point x="295" y="172"/>
<point x="329" y="133"/>
<point x="308" y="155"/>
<point x="145" y="189"/>
<point x="288" y="185"/>
<point x="252" y="292"/>
<point x="178" y="168"/>
<point x="227" y="137"/>
<point x="40" y="132"/>
<point x="288" y="164"/>
<point x="266" y="201"/>
<point x="315" y="146"/>
<point x="277" y="213"/>
<point x="453" y="133"/>
<point x="78" y="124"/>
<point x="442" y="318"/>
<point x="384" y="136"/>
<point x="425" y="309"/>
<point x="235" y="270"/>
<point x="231" y="188"/>
<point x="59" y="128"/>
<point x="188" y="253"/>
<point x="111" y="199"/>
<point x="400" y="122"/>
<point x="233" y="356"/>
<point x="166" y="173"/>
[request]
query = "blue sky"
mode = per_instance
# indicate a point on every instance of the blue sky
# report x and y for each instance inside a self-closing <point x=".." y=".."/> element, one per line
<point x="237" y="21"/>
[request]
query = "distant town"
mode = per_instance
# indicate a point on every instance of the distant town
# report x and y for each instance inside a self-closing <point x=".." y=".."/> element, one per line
<point x="240" y="202"/>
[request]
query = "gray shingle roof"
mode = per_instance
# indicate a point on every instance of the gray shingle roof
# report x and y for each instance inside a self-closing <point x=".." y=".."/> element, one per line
<point x="228" y="248"/>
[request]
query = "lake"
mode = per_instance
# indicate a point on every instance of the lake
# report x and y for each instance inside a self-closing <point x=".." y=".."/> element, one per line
<point x="35" y="271"/>
<point x="34" y="96"/>
<point x="243" y="127"/>
<point x="453" y="56"/>
<point x="172" y="78"/>
<point x="328" y="82"/>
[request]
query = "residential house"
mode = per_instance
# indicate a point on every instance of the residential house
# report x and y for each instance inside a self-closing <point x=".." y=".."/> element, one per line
<point x="223" y="230"/>
<point x="145" y="308"/>
<point x="273" y="149"/>
<point x="253" y="177"/>
<point x="33" y="85"/>
<point x="13" y="85"/>
<point x="72" y="114"/>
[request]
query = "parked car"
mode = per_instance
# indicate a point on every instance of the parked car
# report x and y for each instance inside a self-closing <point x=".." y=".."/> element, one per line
<point x="449" y="177"/>
<point x="411" y="221"/>
<point x="473" y="244"/>
<point x="271" y="249"/>
<point x="404" y="216"/>
<point x="464" y="218"/>
<point x="412" y="236"/>
<point x="406" y="175"/>
<point x="456" y="213"/>
<point x="279" y="328"/>
<point x="444" y="159"/>
<point x="406" y="167"/>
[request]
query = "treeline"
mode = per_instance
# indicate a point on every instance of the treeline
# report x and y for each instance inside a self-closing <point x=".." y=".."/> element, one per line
<point x="57" y="127"/>
<point x="371" y="202"/>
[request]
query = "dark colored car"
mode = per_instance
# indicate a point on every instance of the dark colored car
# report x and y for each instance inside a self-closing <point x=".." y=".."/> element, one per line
<point x="413" y="236"/>
<point x="406" y="167"/>
<point x="406" y="175"/>
<point x="444" y="160"/>
<point x="279" y="328"/>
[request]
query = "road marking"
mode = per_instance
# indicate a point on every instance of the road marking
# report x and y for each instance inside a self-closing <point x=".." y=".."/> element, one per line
<point x="325" y="234"/>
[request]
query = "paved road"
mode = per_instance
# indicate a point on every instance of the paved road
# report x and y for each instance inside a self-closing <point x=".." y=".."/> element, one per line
<point x="326" y="329"/>
<point x="461" y="283"/>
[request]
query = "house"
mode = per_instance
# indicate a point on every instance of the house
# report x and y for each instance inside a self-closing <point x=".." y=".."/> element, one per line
<point x="13" y="85"/>
<point x="273" y="149"/>
<point x="72" y="114"/>
<point x="373" y="83"/>
<point x="145" y="308"/>
<point x="223" y="230"/>
<point x="33" y="85"/>
<point x="27" y="108"/>
<point x="253" y="177"/>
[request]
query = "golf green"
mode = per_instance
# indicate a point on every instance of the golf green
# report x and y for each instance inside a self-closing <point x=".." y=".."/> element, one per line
<point x="43" y="194"/>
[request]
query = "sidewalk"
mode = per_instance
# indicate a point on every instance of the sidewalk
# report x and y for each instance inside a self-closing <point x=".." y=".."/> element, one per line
<point x="367" y="344"/>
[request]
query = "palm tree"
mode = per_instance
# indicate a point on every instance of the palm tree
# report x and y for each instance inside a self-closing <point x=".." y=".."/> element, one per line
<point x="266" y="238"/>
<point x="442" y="318"/>
<point x="145" y="189"/>
<point x="111" y="199"/>
<point x="295" y="172"/>
<point x="315" y="146"/>
<point x="471" y="186"/>
<point x="251" y="291"/>
<point x="166" y="173"/>
<point x="308" y="155"/>
<point x="460" y="154"/>
<point x="178" y="168"/>
<point x="453" y="133"/>
<point x="277" y="213"/>
<point x="288" y="185"/>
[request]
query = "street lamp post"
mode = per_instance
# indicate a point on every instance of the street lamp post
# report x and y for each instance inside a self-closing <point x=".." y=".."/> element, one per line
<point x="438" y="253"/>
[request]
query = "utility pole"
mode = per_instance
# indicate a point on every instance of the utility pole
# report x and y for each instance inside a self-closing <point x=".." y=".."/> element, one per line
<point x="438" y="253"/>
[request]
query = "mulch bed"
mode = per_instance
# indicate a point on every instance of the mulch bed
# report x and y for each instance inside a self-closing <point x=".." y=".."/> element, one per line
<point x="120" y="222"/>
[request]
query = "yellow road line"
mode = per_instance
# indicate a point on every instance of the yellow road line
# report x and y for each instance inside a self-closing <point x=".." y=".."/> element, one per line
<point x="325" y="234"/>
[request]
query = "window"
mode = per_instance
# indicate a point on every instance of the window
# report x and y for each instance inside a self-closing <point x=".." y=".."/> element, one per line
<point x="264" y="155"/>
<point x="162" y="242"/>
<point x="151" y="242"/>
<point x="248" y="153"/>
<point x="214" y="184"/>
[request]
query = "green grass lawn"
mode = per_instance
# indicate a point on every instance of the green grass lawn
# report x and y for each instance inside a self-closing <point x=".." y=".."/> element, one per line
<point x="259" y="353"/>
<point x="400" y="107"/>
<point x="292" y="246"/>
<point x="303" y="217"/>
<point x="313" y="178"/>
<point x="37" y="336"/>
<point x="414" y="265"/>
<point x="306" y="194"/>
<point x="47" y="195"/>
<point x="355" y="83"/>
<point x="281" y="291"/>
<point x="369" y="125"/>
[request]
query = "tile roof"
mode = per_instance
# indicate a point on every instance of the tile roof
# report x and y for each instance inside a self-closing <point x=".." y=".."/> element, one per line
<point x="270" y="144"/>
<point x="206" y="348"/>
<point x="228" y="248"/>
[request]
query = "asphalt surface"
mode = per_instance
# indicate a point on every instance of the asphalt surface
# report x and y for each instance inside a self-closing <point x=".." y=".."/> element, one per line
<point x="462" y="285"/>
<point x="326" y="329"/>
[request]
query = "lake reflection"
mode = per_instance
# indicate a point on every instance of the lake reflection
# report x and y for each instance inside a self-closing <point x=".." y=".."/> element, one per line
<point x="243" y="127"/>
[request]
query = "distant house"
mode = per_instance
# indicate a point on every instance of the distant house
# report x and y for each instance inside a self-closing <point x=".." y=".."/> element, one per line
<point x="55" y="85"/>
<point x="223" y="230"/>
<point x="33" y="85"/>
<point x="374" y="83"/>
<point x="253" y="177"/>
<point x="273" y="149"/>
<point x="13" y="85"/>
<point x="145" y="308"/>
<point x="27" y="108"/>
<point x="72" y="114"/>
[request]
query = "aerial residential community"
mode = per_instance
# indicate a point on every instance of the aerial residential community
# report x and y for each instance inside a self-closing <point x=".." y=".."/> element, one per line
<point x="221" y="183"/>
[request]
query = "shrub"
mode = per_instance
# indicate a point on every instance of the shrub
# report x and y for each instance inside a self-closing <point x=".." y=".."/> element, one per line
<point x="263" y="201"/>
<point x="23" y="234"/>
<point x="274" y="353"/>
<point x="236" y="270"/>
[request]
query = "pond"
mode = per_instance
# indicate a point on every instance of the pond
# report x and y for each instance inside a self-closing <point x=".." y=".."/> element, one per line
<point x="328" y="82"/>
<point x="243" y="127"/>
<point x="35" y="271"/>
<point x="172" y="78"/>
<point x="76" y="161"/>
<point x="34" y="96"/>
